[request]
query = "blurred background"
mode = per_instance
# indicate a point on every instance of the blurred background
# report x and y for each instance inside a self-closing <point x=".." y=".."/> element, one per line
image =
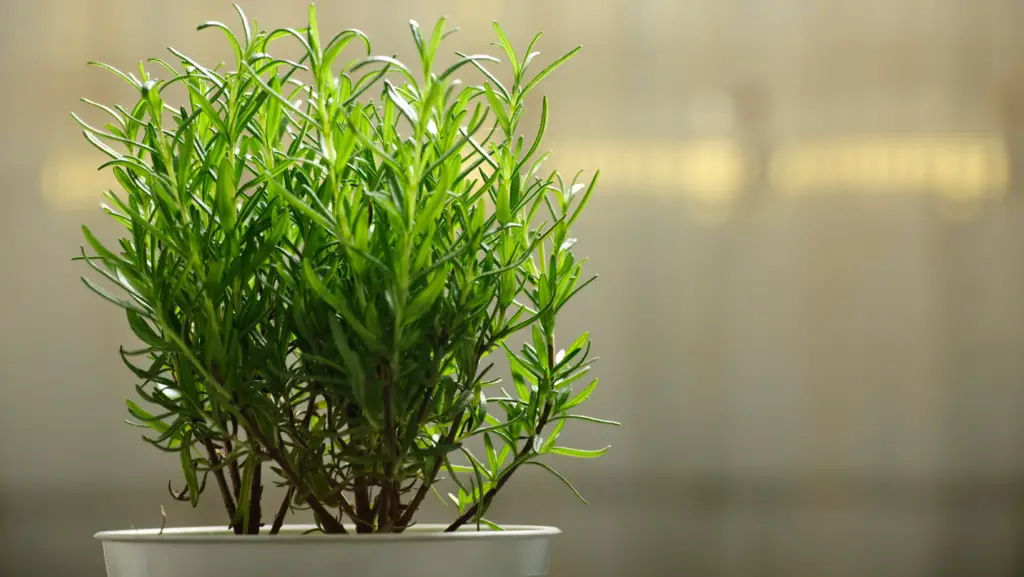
<point x="810" y="233"/>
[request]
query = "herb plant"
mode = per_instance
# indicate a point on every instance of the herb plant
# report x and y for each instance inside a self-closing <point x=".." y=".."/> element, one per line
<point x="318" y="277"/>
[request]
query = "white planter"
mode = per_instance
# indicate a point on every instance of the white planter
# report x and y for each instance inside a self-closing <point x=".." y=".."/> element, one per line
<point x="422" y="551"/>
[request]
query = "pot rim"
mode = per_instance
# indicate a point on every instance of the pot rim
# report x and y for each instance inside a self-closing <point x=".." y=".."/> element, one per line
<point x="293" y="534"/>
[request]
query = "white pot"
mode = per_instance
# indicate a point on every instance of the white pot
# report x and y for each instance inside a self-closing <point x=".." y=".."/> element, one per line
<point x="422" y="551"/>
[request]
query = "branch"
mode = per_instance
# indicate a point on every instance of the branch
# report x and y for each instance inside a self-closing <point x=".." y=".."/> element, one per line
<point x="363" y="513"/>
<point x="489" y="496"/>
<point x="346" y="507"/>
<point x="236" y="478"/>
<point x="421" y="493"/>
<point x="389" y="496"/>
<point x="329" y="522"/>
<point x="222" y="484"/>
<point x="282" y="511"/>
<point x="256" y="496"/>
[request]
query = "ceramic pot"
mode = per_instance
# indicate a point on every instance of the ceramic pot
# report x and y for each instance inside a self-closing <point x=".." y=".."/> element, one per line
<point x="422" y="551"/>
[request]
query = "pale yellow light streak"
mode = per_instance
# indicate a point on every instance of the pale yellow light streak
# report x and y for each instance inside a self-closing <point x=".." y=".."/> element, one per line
<point x="946" y="166"/>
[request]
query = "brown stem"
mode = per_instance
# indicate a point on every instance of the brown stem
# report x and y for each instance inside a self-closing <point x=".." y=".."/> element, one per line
<point x="236" y="478"/>
<point x="396" y="503"/>
<point x="222" y="484"/>
<point x="421" y="493"/>
<point x="389" y="507"/>
<point x="310" y="406"/>
<point x="181" y="495"/>
<point x="389" y="496"/>
<point x="255" y="497"/>
<point x="415" y="424"/>
<point x="383" y="513"/>
<point x="362" y="514"/>
<point x="347" y="509"/>
<point x="282" y="511"/>
<point x="403" y="515"/>
<point x="471" y="512"/>
<point x="364" y="511"/>
<point x="327" y="520"/>
<point x="489" y="496"/>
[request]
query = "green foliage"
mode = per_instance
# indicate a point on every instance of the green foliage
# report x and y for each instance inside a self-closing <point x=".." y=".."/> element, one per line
<point x="319" y="256"/>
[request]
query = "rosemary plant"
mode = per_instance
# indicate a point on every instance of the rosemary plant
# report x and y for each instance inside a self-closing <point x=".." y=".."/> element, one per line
<point x="319" y="256"/>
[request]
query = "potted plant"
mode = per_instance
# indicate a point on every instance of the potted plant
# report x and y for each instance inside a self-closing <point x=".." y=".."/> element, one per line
<point x="318" y="257"/>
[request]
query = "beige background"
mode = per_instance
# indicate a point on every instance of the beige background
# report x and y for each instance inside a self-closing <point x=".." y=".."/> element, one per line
<point x="811" y="311"/>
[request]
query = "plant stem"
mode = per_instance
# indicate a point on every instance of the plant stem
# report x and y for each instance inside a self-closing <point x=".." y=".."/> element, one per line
<point x="489" y="496"/>
<point x="364" y="512"/>
<point x="389" y="496"/>
<point x="471" y="512"/>
<point x="255" y="496"/>
<point x="485" y="502"/>
<point x="347" y="509"/>
<point x="329" y="522"/>
<point x="421" y="493"/>
<point x="282" y="511"/>
<point x="222" y="484"/>
<point x="236" y="478"/>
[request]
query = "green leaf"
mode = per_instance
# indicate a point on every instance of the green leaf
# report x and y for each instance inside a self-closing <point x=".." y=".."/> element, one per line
<point x="560" y="478"/>
<point x="245" y="24"/>
<point x="341" y="305"/>
<point x="390" y="62"/>
<point x="492" y="456"/>
<point x="451" y="468"/>
<point x="519" y="377"/>
<point x="125" y="304"/>
<point x="588" y="419"/>
<point x="147" y="419"/>
<point x="110" y="258"/>
<point x="211" y="114"/>
<point x="423" y="301"/>
<point x="281" y="99"/>
<point x="540" y="346"/>
<point x="227" y="34"/>
<point x="551" y="68"/>
<point x="582" y="396"/>
<point x="350" y="360"/>
<point x="549" y="443"/>
<point x="143" y="330"/>
<point x="472" y="59"/>
<point x="579" y="343"/>
<point x="417" y="36"/>
<point x="402" y="104"/>
<point x="225" y="200"/>
<point x="313" y="33"/>
<point x="480" y="486"/>
<point x="540" y="135"/>
<point x="507" y="47"/>
<point x="578" y="453"/>
<point x="245" y="491"/>
<point x="340" y="41"/>
<point x="188" y="467"/>
<point x="493" y="526"/>
<point x="126" y="77"/>
<point x="498" y="107"/>
<point x="435" y="42"/>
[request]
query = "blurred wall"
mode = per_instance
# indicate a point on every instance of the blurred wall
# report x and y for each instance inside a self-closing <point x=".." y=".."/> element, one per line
<point x="811" y="243"/>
